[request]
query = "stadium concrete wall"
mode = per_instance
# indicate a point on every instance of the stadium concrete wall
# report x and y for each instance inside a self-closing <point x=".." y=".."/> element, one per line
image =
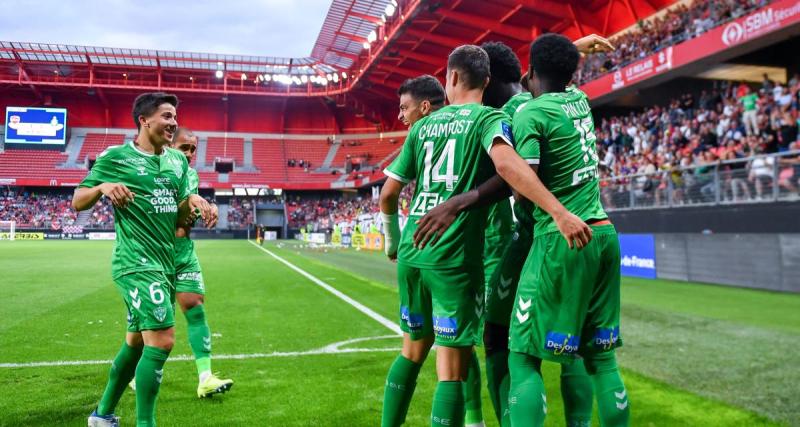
<point x="779" y="217"/>
<point x="769" y="261"/>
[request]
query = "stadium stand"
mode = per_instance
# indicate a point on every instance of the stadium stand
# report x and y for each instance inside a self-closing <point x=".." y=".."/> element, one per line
<point x="269" y="156"/>
<point x="679" y="23"/>
<point x="95" y="143"/>
<point x="37" y="209"/>
<point x="372" y="150"/>
<point x="227" y="147"/>
<point x="240" y="213"/>
<point x="308" y="154"/>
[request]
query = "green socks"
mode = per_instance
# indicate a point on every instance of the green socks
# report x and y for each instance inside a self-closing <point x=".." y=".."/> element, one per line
<point x="199" y="338"/>
<point x="448" y="404"/>
<point x="497" y="381"/>
<point x="400" y="384"/>
<point x="576" y="390"/>
<point x="122" y="370"/>
<point x="472" y="392"/>
<point x="527" y="403"/>
<point x="149" y="372"/>
<point x="612" y="398"/>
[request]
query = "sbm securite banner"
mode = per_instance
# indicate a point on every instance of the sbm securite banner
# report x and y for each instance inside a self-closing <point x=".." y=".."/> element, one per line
<point x="777" y="16"/>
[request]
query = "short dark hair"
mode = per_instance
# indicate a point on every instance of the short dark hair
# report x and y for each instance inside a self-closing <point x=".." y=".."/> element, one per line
<point x="179" y="131"/>
<point x="472" y="62"/>
<point x="554" y="58"/>
<point x="503" y="62"/>
<point x="424" y="87"/>
<point x="147" y="103"/>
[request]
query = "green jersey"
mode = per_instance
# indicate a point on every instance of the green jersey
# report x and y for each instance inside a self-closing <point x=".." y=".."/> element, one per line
<point x="146" y="227"/>
<point x="749" y="102"/>
<point x="500" y="220"/>
<point x="193" y="181"/>
<point x="447" y="153"/>
<point x="515" y="102"/>
<point x="523" y="210"/>
<point x="556" y="131"/>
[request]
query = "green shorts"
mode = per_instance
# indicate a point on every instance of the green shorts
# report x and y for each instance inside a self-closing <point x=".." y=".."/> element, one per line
<point x="493" y="247"/>
<point x="442" y="302"/>
<point x="502" y="286"/>
<point x="149" y="297"/>
<point x="568" y="300"/>
<point x="189" y="276"/>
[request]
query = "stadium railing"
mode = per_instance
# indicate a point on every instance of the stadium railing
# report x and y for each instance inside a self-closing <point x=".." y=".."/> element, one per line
<point x="755" y="179"/>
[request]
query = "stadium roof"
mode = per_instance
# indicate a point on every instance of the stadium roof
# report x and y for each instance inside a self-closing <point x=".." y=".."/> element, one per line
<point x="367" y="47"/>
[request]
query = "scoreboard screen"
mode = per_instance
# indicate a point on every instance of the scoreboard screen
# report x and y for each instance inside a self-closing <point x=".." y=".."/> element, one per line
<point x="36" y="126"/>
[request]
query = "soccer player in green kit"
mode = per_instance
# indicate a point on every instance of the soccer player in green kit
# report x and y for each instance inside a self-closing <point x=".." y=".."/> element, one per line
<point x="189" y="287"/>
<point x="420" y="97"/>
<point x="450" y="152"/>
<point x="147" y="183"/>
<point x="505" y="91"/>
<point x="567" y="302"/>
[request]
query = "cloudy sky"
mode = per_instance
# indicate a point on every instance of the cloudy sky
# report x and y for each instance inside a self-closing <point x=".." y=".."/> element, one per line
<point x="283" y="28"/>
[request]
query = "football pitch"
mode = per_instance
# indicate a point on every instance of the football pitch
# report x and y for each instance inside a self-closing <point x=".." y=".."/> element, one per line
<point x="308" y="336"/>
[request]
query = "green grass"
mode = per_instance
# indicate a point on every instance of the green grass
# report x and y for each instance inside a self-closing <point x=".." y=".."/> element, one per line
<point x="694" y="354"/>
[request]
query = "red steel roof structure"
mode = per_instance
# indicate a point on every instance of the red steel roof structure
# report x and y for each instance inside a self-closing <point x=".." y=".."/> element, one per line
<point x="365" y="49"/>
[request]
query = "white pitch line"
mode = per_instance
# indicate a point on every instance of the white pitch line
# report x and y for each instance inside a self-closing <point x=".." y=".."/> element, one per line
<point x="328" y="349"/>
<point x="360" y="307"/>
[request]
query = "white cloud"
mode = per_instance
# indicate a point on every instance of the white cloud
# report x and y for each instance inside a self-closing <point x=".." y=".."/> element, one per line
<point x="280" y="28"/>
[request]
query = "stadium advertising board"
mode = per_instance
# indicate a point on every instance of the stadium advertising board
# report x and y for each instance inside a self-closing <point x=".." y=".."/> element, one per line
<point x="36" y="126"/>
<point x="373" y="241"/>
<point x="777" y="16"/>
<point x="318" y="238"/>
<point x="103" y="236"/>
<point x="22" y="236"/>
<point x="638" y="255"/>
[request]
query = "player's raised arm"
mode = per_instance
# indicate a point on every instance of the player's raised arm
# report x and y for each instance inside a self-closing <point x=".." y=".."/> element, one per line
<point x="524" y="180"/>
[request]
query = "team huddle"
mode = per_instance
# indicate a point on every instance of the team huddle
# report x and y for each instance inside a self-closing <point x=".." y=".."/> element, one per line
<point x="544" y="288"/>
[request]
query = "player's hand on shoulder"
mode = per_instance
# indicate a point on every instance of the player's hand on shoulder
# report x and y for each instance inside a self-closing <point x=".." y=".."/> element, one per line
<point x="593" y="44"/>
<point x="575" y="231"/>
<point x="434" y="223"/>
<point x="119" y="194"/>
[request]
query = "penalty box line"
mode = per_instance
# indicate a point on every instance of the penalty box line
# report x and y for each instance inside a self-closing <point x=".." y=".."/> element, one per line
<point x="357" y="305"/>
<point x="334" y="348"/>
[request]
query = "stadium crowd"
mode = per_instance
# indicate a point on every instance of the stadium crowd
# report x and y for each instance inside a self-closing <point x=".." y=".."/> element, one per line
<point x="680" y="23"/>
<point x="240" y="213"/>
<point x="323" y="213"/>
<point x="30" y="209"/>
<point x="682" y="142"/>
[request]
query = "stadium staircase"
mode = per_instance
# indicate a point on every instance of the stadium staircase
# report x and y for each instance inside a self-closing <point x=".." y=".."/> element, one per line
<point x="247" y="163"/>
<point x="331" y="154"/>
<point x="73" y="149"/>
<point x="200" y="155"/>
<point x="83" y="217"/>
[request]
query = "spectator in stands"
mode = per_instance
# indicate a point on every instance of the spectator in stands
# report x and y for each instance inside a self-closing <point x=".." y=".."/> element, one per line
<point x="761" y="173"/>
<point x="678" y="24"/>
<point x="749" y="103"/>
<point x="240" y="213"/>
<point x="31" y="209"/>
